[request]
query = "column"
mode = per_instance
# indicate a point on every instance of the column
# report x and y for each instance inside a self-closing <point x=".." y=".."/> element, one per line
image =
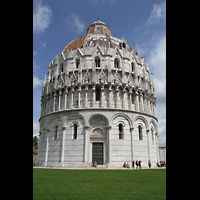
<point x="102" y="94"/>
<point x="66" y="92"/>
<point x="148" y="145"/>
<point x="155" y="108"/>
<point x="72" y="97"/>
<point x="93" y="93"/>
<point x="132" y="144"/>
<point x="54" y="101"/>
<point x="130" y="99"/>
<point x="59" y="100"/>
<point x="47" y="148"/>
<point x="86" y="92"/>
<point x="46" y="108"/>
<point x="109" y="91"/>
<point x="150" y="107"/>
<point x="50" y="103"/>
<point x="109" y="143"/>
<point x="117" y="97"/>
<point x="79" y="97"/>
<point x="123" y="93"/>
<point x="147" y="105"/>
<point x="157" y="147"/>
<point x="141" y="104"/>
<point x="63" y="146"/>
<point x="136" y="101"/>
<point x="87" y="146"/>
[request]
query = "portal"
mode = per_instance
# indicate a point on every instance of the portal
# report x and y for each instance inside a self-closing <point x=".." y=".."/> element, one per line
<point x="97" y="153"/>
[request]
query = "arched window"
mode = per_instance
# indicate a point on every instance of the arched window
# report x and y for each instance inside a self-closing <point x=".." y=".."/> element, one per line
<point x="116" y="63"/>
<point x="61" y="67"/>
<point x="121" y="131"/>
<point x="132" y="67"/>
<point x="77" y="63"/>
<point x="140" y="132"/>
<point x="56" y="132"/>
<point x="75" y="131"/>
<point x="97" y="62"/>
<point x="97" y="94"/>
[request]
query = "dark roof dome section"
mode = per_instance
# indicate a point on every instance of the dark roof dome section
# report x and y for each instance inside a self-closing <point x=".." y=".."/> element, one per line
<point x="98" y="27"/>
<point x="98" y="33"/>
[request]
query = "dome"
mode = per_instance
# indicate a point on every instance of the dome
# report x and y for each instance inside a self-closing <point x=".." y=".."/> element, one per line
<point x="97" y="32"/>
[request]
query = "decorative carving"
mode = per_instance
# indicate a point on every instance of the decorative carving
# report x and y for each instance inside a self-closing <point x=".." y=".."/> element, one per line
<point x="73" y="79"/>
<point x="87" y="78"/>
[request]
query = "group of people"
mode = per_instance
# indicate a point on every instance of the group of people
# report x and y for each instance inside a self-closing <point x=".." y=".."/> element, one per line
<point x="138" y="163"/>
<point x="94" y="164"/>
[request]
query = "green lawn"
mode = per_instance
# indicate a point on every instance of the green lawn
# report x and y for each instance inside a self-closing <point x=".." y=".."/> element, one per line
<point x="99" y="184"/>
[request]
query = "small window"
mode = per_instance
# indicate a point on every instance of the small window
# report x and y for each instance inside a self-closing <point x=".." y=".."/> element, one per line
<point x="116" y="63"/>
<point x="121" y="132"/>
<point x="56" y="132"/>
<point x="97" y="62"/>
<point x="77" y="63"/>
<point x="97" y="94"/>
<point x="124" y="45"/>
<point x="75" y="131"/>
<point x="140" y="132"/>
<point x="132" y="66"/>
<point x="61" y="67"/>
<point x="77" y="104"/>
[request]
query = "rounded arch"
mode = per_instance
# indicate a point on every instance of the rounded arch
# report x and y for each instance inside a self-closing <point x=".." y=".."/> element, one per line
<point x="53" y="118"/>
<point x="74" y="115"/>
<point x="98" y="116"/>
<point x="117" y="63"/>
<point x="125" y="116"/>
<point x="143" y="119"/>
<point x="97" y="61"/>
<point x="43" y="123"/>
<point x="154" y="124"/>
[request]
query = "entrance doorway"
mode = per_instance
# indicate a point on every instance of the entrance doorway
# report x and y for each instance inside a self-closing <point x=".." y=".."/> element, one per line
<point x="97" y="153"/>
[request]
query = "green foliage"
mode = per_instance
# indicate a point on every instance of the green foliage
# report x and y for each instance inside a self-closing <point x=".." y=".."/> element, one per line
<point x="35" y="141"/>
<point x="99" y="184"/>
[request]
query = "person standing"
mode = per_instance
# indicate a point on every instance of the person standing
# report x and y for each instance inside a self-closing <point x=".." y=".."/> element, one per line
<point x="133" y="164"/>
<point x="149" y="164"/>
<point x="139" y="164"/>
<point x="136" y="164"/>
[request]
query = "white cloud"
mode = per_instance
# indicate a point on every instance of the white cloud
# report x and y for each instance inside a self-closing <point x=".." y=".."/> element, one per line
<point x="35" y="128"/>
<point x="36" y="82"/>
<point x="42" y="16"/>
<point x="75" y="23"/>
<point x="35" y="53"/>
<point x="157" y="65"/>
<point x="158" y="12"/>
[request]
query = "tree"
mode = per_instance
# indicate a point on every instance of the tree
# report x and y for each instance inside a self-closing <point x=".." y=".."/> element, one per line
<point x="35" y="141"/>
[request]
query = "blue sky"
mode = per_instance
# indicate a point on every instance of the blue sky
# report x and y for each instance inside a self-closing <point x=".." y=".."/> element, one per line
<point x="141" y="22"/>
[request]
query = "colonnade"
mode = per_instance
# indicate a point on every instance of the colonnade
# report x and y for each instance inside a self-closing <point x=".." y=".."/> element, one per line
<point x="117" y="98"/>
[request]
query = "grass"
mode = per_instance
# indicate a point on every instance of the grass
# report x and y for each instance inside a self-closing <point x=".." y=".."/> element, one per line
<point x="99" y="184"/>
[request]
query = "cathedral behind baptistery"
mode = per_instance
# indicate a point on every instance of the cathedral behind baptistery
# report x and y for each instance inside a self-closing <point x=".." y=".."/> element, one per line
<point x="98" y="104"/>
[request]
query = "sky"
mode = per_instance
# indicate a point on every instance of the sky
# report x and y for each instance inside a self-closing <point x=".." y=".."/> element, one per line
<point x="141" y="22"/>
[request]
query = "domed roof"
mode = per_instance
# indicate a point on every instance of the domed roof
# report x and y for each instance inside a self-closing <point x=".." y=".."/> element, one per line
<point x="97" y="32"/>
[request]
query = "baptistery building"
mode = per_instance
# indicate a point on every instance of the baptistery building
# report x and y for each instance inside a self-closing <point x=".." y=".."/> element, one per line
<point x="98" y="104"/>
